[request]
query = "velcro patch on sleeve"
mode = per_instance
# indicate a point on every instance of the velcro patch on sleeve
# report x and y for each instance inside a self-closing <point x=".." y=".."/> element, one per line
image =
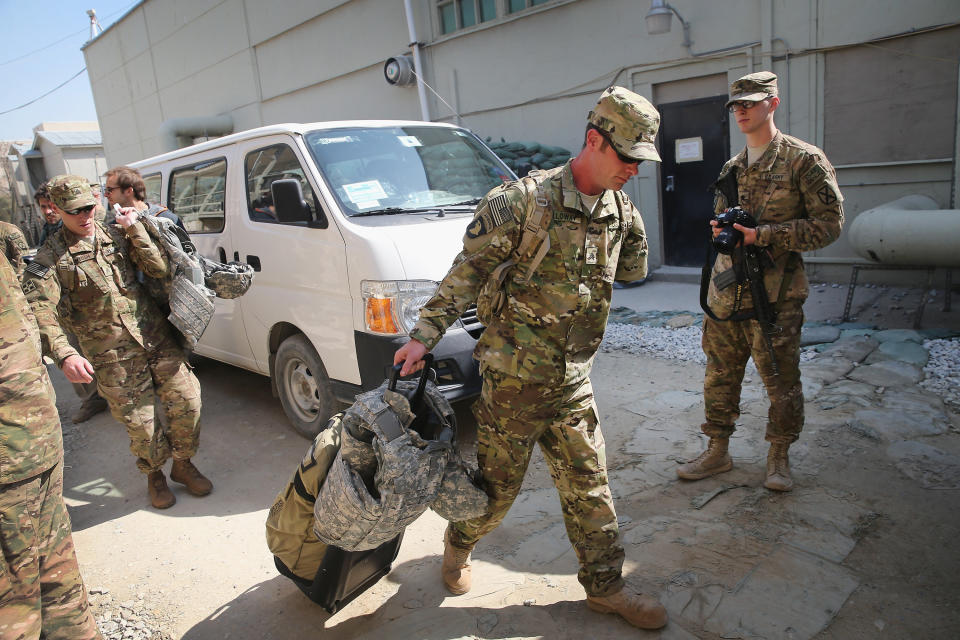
<point x="494" y="212"/>
<point x="38" y="270"/>
<point x="814" y="175"/>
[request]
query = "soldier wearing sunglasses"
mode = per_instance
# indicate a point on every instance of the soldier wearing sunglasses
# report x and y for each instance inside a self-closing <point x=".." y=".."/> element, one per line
<point x="84" y="280"/>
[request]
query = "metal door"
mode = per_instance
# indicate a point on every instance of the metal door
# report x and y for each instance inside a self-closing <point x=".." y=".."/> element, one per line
<point x="694" y="138"/>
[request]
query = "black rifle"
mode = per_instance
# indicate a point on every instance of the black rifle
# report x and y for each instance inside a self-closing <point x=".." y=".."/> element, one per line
<point x="752" y="258"/>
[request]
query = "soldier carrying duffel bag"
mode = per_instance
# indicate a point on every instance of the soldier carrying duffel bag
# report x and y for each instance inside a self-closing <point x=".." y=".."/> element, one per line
<point x="337" y="527"/>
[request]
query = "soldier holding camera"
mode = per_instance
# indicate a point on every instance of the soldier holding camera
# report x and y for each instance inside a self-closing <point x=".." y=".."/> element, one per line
<point x="790" y="203"/>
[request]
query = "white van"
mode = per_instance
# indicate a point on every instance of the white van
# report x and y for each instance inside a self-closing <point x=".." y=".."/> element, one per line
<point x="350" y="226"/>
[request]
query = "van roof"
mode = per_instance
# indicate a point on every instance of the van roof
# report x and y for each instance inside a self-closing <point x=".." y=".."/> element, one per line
<point x="286" y="127"/>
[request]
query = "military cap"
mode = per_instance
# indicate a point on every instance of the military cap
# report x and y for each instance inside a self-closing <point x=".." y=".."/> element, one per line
<point x="71" y="192"/>
<point x="629" y="120"/>
<point x="753" y="87"/>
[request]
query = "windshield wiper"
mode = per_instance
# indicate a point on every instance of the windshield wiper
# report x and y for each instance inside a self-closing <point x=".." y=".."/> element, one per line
<point x="466" y="203"/>
<point x="389" y="211"/>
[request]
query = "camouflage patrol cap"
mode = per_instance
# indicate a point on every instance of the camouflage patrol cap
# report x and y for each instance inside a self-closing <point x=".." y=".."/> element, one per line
<point x="71" y="192"/>
<point x="629" y="120"/>
<point x="753" y="87"/>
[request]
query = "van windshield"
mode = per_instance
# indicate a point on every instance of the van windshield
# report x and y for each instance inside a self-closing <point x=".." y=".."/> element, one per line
<point x="399" y="169"/>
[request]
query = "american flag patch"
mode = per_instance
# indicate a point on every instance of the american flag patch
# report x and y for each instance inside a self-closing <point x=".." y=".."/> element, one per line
<point x="499" y="210"/>
<point x="37" y="269"/>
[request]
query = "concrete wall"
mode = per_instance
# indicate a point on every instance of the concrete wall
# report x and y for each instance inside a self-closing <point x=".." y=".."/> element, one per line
<point x="535" y="75"/>
<point x="261" y="63"/>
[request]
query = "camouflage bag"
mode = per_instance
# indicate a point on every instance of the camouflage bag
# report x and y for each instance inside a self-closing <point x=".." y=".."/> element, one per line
<point x="183" y="294"/>
<point x="289" y="523"/>
<point x="397" y="456"/>
<point x="230" y="280"/>
<point x="533" y="247"/>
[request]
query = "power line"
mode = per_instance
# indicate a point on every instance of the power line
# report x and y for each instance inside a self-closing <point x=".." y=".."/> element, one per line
<point x="52" y="44"/>
<point x="27" y="104"/>
<point x="66" y="37"/>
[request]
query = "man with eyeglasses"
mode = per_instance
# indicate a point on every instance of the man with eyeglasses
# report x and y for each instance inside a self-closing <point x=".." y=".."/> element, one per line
<point x="84" y="280"/>
<point x="538" y="347"/>
<point x="790" y="189"/>
<point x="125" y="187"/>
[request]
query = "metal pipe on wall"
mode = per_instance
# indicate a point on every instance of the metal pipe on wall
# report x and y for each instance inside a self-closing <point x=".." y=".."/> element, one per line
<point x="417" y="61"/>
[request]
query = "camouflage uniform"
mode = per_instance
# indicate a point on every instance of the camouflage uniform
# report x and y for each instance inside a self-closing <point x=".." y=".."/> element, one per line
<point x="90" y="287"/>
<point x="536" y="355"/>
<point x="41" y="590"/>
<point x="14" y="245"/>
<point x="792" y="192"/>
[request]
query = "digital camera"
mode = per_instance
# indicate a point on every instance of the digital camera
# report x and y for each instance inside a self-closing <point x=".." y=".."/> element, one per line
<point x="728" y="238"/>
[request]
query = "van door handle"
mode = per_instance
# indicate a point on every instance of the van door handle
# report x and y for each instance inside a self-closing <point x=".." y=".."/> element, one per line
<point x="254" y="262"/>
<point x="222" y="253"/>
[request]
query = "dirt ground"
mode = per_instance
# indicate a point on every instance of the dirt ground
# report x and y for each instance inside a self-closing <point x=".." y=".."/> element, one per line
<point x="858" y="550"/>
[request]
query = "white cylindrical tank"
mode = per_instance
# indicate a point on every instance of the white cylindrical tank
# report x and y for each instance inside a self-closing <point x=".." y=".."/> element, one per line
<point x="910" y="230"/>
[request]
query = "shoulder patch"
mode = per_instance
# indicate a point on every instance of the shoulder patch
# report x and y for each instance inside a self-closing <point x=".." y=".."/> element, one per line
<point x="38" y="270"/>
<point x="494" y="212"/>
<point x="814" y="175"/>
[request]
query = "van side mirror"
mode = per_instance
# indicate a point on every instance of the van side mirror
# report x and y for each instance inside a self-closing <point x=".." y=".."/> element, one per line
<point x="288" y="201"/>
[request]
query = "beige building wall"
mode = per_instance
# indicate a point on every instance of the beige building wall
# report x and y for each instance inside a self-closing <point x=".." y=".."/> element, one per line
<point x="534" y="75"/>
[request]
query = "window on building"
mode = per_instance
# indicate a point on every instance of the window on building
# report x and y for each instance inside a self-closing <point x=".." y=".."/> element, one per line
<point x="520" y="5"/>
<point x="152" y="185"/>
<point x="264" y="167"/>
<point x="460" y="14"/>
<point x="196" y="194"/>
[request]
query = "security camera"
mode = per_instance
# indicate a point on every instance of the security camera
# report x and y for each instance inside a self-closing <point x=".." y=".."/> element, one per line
<point x="399" y="71"/>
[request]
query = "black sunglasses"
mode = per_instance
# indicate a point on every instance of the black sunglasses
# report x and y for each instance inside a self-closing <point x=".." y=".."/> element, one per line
<point x="86" y="209"/>
<point x="624" y="159"/>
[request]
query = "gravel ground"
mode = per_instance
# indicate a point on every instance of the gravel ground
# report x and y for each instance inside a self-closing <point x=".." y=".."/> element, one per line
<point x="127" y="620"/>
<point x="943" y="371"/>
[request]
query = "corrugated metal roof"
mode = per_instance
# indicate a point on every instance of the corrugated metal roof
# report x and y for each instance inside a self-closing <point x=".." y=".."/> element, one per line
<point x="72" y="138"/>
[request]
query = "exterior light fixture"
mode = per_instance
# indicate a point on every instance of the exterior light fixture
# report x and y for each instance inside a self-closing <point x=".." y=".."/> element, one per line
<point x="659" y="17"/>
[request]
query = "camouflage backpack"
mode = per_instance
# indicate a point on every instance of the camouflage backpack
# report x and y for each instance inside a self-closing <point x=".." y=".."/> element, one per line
<point x="183" y="294"/>
<point x="289" y="524"/>
<point x="533" y="247"/>
<point x="397" y="458"/>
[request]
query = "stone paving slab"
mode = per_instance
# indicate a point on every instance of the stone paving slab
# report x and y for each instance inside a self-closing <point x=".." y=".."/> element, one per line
<point x="791" y="594"/>
<point x="826" y="369"/>
<point x="890" y="373"/>
<point x="853" y="348"/>
<point x="929" y="466"/>
<point x="902" y="350"/>
<point x="891" y="426"/>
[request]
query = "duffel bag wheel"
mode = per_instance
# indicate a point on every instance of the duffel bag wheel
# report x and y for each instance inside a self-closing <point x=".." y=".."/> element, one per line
<point x="304" y="386"/>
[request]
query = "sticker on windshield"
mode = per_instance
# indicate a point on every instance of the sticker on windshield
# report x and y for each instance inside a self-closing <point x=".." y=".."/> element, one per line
<point x="368" y="204"/>
<point x="335" y="140"/>
<point x="365" y="191"/>
<point x="410" y="141"/>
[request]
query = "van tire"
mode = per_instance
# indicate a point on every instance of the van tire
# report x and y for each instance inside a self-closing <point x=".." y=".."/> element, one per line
<point x="303" y="386"/>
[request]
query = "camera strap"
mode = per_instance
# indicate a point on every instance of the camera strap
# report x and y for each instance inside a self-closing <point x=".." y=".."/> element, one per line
<point x="729" y="188"/>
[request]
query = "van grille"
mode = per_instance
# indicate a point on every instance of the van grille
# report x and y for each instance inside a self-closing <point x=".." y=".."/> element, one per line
<point x="471" y="323"/>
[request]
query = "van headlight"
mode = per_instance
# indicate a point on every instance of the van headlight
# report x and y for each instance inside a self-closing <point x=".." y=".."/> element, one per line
<point x="392" y="307"/>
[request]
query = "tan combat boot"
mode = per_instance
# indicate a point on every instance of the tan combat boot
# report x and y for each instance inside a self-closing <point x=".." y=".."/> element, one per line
<point x="639" y="610"/>
<point x="160" y="495"/>
<point x="189" y="476"/>
<point x="778" y="468"/>
<point x="711" y="462"/>
<point x="89" y="408"/>
<point x="456" y="567"/>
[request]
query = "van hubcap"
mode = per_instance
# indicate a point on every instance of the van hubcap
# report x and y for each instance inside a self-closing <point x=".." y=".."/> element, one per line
<point x="303" y="389"/>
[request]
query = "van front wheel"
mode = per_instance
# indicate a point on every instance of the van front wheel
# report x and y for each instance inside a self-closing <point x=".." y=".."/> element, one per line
<point x="304" y="386"/>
